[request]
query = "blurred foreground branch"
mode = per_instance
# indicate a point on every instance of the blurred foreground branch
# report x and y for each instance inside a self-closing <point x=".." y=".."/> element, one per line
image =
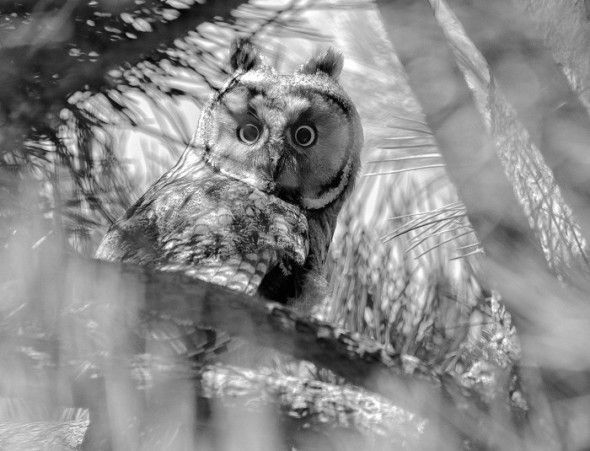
<point x="542" y="306"/>
<point x="309" y="404"/>
<point x="100" y="327"/>
<point x="536" y="86"/>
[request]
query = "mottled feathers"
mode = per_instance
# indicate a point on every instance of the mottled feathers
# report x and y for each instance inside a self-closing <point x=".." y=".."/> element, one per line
<point x="252" y="203"/>
<point x="224" y="231"/>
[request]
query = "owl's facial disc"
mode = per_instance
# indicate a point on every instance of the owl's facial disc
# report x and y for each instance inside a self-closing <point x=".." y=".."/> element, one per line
<point x="294" y="140"/>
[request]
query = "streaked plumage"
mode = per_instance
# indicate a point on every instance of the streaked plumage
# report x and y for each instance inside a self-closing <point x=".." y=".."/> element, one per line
<point x="252" y="203"/>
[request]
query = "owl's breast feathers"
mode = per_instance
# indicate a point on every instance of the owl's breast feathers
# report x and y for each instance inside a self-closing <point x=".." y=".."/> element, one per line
<point x="218" y="228"/>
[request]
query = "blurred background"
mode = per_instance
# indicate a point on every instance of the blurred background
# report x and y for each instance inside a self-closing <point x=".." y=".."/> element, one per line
<point x="99" y="98"/>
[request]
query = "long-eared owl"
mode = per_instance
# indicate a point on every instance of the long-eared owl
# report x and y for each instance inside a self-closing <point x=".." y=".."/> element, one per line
<point x="253" y="201"/>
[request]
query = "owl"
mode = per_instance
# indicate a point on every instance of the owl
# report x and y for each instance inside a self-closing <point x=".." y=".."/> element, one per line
<point x="253" y="201"/>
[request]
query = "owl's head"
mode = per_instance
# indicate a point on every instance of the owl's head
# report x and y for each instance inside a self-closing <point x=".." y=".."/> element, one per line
<point x="296" y="136"/>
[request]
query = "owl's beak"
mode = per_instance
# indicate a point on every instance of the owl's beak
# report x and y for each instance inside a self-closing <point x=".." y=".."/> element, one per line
<point x="274" y="164"/>
<point x="273" y="159"/>
<point x="284" y="174"/>
<point x="281" y="165"/>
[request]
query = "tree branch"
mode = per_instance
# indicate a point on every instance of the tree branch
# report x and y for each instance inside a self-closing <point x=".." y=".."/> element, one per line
<point x="84" y="321"/>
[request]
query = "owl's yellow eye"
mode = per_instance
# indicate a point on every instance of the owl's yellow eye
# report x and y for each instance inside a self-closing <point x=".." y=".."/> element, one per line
<point x="304" y="135"/>
<point x="248" y="133"/>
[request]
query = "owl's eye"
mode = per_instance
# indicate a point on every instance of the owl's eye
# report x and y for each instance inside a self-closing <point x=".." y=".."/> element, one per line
<point x="304" y="135"/>
<point x="248" y="133"/>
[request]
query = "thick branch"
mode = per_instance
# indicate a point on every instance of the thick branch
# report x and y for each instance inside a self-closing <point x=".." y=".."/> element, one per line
<point x="316" y="402"/>
<point x="310" y="405"/>
<point x="86" y="320"/>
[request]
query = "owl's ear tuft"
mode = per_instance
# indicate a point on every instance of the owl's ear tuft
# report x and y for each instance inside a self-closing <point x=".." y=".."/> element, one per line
<point x="329" y="62"/>
<point x="243" y="55"/>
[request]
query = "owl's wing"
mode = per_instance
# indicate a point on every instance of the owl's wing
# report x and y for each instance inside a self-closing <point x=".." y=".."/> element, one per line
<point x="214" y="227"/>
